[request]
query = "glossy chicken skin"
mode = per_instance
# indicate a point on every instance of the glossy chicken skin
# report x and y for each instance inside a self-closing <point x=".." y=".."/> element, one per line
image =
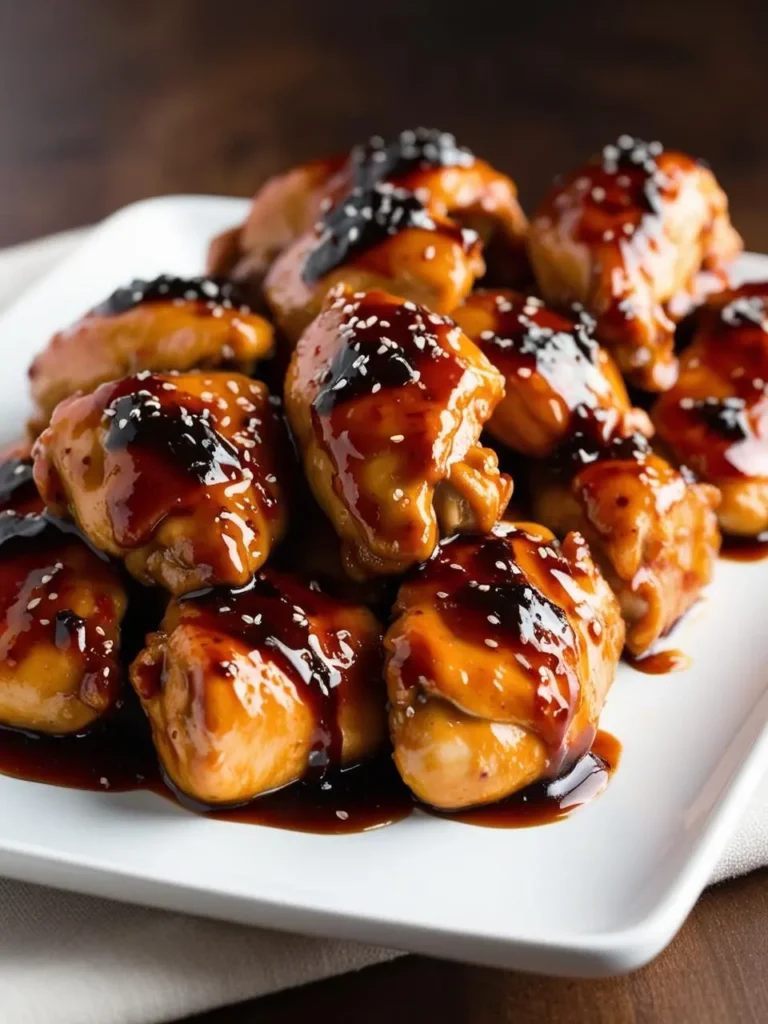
<point x="652" y="531"/>
<point x="249" y="690"/>
<point x="627" y="235"/>
<point x="387" y="401"/>
<point x="286" y="206"/>
<point x="447" y="178"/>
<point x="555" y="373"/>
<point x="377" y="238"/>
<point x="715" y="419"/>
<point x="166" y="324"/>
<point x="60" y="613"/>
<point x="499" y="660"/>
<point x="179" y="475"/>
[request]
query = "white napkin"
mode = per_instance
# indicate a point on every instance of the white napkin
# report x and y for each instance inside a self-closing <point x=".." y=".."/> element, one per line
<point x="73" y="959"/>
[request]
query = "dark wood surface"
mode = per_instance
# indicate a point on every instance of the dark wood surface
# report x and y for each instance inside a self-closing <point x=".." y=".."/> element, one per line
<point x="713" y="973"/>
<point x="107" y="101"/>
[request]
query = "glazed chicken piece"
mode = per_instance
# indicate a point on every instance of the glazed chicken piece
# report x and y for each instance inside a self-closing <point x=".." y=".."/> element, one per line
<point x="715" y="419"/>
<point x="181" y="476"/>
<point x="376" y="238"/>
<point x="60" y="612"/>
<point x="387" y="401"/>
<point x="498" y="664"/>
<point x="652" y="530"/>
<point x="162" y="325"/>
<point x="447" y="178"/>
<point x="628" y="235"/>
<point x="555" y="373"/>
<point x="249" y="690"/>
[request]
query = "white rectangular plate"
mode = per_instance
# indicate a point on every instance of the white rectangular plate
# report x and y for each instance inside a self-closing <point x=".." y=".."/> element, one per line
<point x="600" y="892"/>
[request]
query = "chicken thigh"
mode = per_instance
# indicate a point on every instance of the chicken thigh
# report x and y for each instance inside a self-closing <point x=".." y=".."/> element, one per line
<point x="715" y="419"/>
<point x="629" y="235"/>
<point x="251" y="689"/>
<point x="181" y="476"/>
<point x="380" y="237"/>
<point x="166" y="324"/>
<point x="60" y="612"/>
<point x="387" y="402"/>
<point x="448" y="179"/>
<point x="651" y="528"/>
<point x="499" y="660"/>
<point x="555" y="373"/>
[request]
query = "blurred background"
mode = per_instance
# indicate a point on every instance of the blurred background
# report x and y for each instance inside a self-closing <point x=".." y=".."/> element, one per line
<point x="107" y="101"/>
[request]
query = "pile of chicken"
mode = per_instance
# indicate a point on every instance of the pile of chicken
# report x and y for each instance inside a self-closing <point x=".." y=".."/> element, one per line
<point x="423" y="329"/>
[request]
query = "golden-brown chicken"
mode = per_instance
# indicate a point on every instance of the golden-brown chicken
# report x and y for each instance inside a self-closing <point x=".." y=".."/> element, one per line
<point x="166" y="324"/>
<point x="446" y="178"/>
<point x="628" y="234"/>
<point x="498" y="664"/>
<point x="60" y="613"/>
<point x="715" y="419"/>
<point x="651" y="529"/>
<point x="285" y="207"/>
<point x="249" y="690"/>
<point x="378" y="238"/>
<point x="555" y="373"/>
<point x="182" y="476"/>
<point x="387" y="401"/>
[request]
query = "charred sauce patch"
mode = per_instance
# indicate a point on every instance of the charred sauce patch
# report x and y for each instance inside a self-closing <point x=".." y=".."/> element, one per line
<point x="17" y="484"/>
<point x="387" y="346"/>
<point x="366" y="217"/>
<point x="214" y="291"/>
<point x="413" y="149"/>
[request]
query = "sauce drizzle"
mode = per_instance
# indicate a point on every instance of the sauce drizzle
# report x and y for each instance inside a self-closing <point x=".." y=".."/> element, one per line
<point x="117" y="756"/>
<point x="659" y="663"/>
<point x="547" y="802"/>
<point x="745" y="549"/>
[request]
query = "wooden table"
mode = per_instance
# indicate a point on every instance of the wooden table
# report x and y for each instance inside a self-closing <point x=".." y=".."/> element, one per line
<point x="713" y="973"/>
<point x="102" y="103"/>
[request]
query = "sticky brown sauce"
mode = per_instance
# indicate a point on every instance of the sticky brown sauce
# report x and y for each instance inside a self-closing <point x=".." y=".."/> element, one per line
<point x="118" y="757"/>
<point x="659" y="663"/>
<point x="548" y="802"/>
<point x="745" y="549"/>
